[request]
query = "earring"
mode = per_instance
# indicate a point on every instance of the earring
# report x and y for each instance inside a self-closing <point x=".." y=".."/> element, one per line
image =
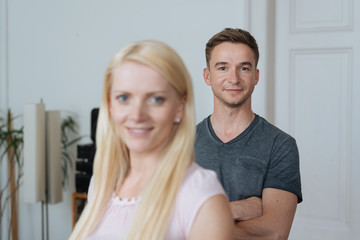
<point x="177" y="120"/>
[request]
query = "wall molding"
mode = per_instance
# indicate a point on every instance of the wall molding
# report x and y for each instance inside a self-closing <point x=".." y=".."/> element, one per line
<point x="262" y="27"/>
<point x="4" y="56"/>
<point x="318" y="23"/>
<point x="345" y="58"/>
<point x="247" y="15"/>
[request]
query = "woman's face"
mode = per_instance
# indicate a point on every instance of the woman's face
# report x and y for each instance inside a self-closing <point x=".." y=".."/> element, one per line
<point x="144" y="108"/>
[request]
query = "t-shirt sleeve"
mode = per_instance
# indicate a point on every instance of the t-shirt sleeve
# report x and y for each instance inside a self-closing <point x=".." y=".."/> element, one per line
<point x="284" y="172"/>
<point x="198" y="187"/>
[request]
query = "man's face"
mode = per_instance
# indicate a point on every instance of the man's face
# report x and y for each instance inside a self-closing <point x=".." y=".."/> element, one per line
<point x="232" y="74"/>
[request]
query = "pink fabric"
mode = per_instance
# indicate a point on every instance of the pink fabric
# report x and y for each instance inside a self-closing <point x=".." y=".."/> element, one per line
<point x="199" y="185"/>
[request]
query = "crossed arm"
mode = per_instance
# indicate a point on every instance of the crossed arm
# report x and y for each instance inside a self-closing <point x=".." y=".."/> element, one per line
<point x="270" y="217"/>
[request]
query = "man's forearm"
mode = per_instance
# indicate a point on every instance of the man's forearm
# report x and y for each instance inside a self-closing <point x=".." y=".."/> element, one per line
<point x="247" y="208"/>
<point x="257" y="228"/>
<point x="275" y="222"/>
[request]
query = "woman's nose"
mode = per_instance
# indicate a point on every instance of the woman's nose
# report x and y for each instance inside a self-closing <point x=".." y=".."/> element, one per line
<point x="138" y="111"/>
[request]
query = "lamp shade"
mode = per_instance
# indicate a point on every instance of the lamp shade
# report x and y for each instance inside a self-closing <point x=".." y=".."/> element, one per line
<point x="34" y="153"/>
<point x="53" y="157"/>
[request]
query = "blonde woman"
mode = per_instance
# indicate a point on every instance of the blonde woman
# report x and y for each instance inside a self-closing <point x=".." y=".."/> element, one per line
<point x="145" y="183"/>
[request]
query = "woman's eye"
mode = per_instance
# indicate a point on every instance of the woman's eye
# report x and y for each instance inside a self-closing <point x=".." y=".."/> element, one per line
<point x="157" y="99"/>
<point x="122" y="98"/>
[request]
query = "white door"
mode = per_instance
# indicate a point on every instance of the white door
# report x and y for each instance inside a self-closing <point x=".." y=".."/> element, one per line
<point x="317" y="97"/>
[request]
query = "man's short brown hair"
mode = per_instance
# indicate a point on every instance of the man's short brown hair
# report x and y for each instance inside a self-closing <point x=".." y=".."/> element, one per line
<point x="233" y="35"/>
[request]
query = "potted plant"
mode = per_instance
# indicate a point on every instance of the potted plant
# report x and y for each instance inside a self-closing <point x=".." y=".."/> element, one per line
<point x="11" y="144"/>
<point x="68" y="128"/>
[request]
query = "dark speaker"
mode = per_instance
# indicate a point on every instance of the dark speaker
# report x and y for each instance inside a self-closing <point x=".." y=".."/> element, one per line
<point x="86" y="151"/>
<point x="82" y="182"/>
<point x="94" y="118"/>
<point x="85" y="154"/>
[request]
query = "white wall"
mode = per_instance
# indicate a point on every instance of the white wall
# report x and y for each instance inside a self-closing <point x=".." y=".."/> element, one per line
<point x="58" y="51"/>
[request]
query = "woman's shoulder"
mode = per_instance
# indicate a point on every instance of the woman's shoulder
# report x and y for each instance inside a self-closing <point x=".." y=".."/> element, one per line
<point x="199" y="185"/>
<point x="196" y="172"/>
<point x="199" y="181"/>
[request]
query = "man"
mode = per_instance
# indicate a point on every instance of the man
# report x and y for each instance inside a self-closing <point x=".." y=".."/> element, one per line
<point x="257" y="163"/>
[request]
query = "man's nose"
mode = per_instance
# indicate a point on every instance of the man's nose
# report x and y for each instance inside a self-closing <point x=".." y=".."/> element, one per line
<point x="234" y="77"/>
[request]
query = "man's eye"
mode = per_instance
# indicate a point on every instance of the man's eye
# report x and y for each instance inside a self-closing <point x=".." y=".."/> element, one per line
<point x="122" y="98"/>
<point x="222" y="68"/>
<point x="157" y="99"/>
<point x="245" y="69"/>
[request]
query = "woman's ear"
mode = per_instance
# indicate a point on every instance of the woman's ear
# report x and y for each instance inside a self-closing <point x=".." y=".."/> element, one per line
<point x="180" y="110"/>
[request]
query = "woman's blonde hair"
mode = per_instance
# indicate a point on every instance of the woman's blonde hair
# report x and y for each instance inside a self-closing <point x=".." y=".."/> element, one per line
<point x="112" y="161"/>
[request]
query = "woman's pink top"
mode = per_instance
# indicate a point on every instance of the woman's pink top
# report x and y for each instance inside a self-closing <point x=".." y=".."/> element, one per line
<point x="199" y="185"/>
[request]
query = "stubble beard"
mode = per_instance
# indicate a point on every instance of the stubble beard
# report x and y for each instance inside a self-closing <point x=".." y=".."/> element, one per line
<point x="236" y="104"/>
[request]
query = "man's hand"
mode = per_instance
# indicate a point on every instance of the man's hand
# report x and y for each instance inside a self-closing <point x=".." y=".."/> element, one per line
<point x="246" y="209"/>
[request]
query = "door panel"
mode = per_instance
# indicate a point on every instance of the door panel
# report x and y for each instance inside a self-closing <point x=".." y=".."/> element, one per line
<point x="316" y="96"/>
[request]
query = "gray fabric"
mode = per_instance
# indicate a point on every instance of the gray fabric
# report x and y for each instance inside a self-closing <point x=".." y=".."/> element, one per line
<point x="261" y="157"/>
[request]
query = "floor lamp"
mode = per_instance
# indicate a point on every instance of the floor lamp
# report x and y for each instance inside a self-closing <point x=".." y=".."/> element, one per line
<point x="42" y="158"/>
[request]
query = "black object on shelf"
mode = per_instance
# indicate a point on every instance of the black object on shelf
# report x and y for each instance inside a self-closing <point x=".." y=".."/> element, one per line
<point x="85" y="154"/>
<point x="86" y="151"/>
<point x="82" y="182"/>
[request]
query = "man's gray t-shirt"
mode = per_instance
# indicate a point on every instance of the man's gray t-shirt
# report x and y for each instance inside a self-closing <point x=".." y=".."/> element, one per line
<point x="261" y="157"/>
